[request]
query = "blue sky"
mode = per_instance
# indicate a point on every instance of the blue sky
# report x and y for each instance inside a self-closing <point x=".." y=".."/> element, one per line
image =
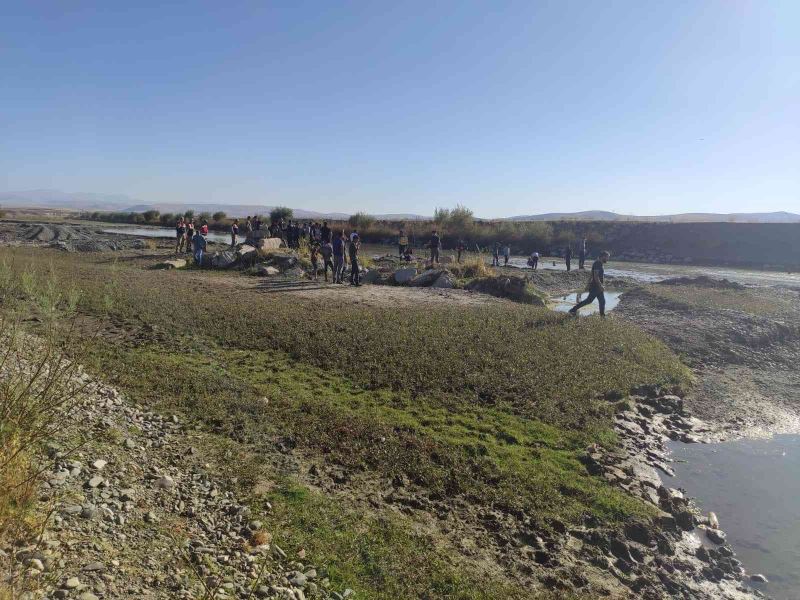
<point x="507" y="107"/>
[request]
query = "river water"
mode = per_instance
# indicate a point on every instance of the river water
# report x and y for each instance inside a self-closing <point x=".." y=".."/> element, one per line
<point x="753" y="486"/>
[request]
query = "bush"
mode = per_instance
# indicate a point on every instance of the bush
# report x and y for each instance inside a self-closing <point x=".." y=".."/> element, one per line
<point x="218" y="216"/>
<point x="361" y="220"/>
<point x="281" y="212"/>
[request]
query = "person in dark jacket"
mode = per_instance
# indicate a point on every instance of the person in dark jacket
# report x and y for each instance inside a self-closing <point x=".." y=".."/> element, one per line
<point x="596" y="287"/>
<point x="568" y="257"/>
<point x="355" y="274"/>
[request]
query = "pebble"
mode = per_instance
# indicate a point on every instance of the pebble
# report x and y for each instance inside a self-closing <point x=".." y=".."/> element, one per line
<point x="72" y="583"/>
<point x="758" y="578"/>
<point x="99" y="464"/>
<point x="95" y="481"/>
<point x="165" y="483"/>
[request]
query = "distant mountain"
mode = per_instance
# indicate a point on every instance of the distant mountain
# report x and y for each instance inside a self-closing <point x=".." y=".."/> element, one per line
<point x="59" y="199"/>
<point x="120" y="202"/>
<point x="599" y="215"/>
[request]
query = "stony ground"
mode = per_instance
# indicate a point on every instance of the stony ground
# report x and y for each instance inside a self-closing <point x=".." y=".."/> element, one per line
<point x="134" y="512"/>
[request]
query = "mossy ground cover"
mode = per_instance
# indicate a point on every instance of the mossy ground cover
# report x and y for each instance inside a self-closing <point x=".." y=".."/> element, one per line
<point x="493" y="405"/>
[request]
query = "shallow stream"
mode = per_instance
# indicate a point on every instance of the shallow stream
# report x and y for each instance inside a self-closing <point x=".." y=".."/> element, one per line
<point x="566" y="302"/>
<point x="753" y="486"/>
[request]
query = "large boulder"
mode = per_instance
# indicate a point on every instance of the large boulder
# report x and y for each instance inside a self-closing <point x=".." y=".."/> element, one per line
<point x="224" y="259"/>
<point x="247" y="254"/>
<point x="254" y="237"/>
<point x="404" y="276"/>
<point x="427" y="278"/>
<point x="444" y="281"/>
<point x="177" y="263"/>
<point x="266" y="244"/>
<point x="282" y="261"/>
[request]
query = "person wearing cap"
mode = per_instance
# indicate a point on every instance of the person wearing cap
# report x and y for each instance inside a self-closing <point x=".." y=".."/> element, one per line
<point x="595" y="287"/>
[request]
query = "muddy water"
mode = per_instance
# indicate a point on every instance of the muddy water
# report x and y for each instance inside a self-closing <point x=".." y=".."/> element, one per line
<point x="754" y="488"/>
<point x="564" y="303"/>
<point x="160" y="232"/>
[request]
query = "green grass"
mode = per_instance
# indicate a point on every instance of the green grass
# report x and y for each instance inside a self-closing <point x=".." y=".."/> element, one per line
<point x="493" y="405"/>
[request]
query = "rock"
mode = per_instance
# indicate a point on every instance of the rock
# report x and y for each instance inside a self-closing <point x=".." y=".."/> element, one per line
<point x="37" y="564"/>
<point x="758" y="578"/>
<point x="370" y="276"/>
<point x="151" y="517"/>
<point x="268" y="270"/>
<point x="95" y="481"/>
<point x="426" y="278"/>
<point x="444" y="281"/>
<point x="295" y="272"/>
<point x="715" y="535"/>
<point x="94" y="567"/>
<point x="88" y="512"/>
<point x="266" y="244"/>
<point x="298" y="579"/>
<point x="282" y="260"/>
<point x="165" y="483"/>
<point x="177" y="263"/>
<point x="129" y="444"/>
<point x="99" y="464"/>
<point x="72" y="583"/>
<point x="404" y="276"/>
<point x="224" y="259"/>
<point x="87" y="596"/>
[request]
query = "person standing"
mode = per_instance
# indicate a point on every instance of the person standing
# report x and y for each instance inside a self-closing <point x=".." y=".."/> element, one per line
<point x="460" y="248"/>
<point x="326" y="251"/>
<point x="402" y="243"/>
<point x="568" y="257"/>
<point x="596" y="287"/>
<point x="355" y="273"/>
<point x="234" y="232"/>
<point x="325" y="233"/>
<point x="506" y="254"/>
<point x="315" y="261"/>
<point x="582" y="254"/>
<point x="496" y="255"/>
<point x="199" y="243"/>
<point x="204" y="227"/>
<point x="435" y="245"/>
<point x="189" y="236"/>
<point x="248" y="227"/>
<point x="180" y="235"/>
<point x="534" y="261"/>
<point x="338" y="257"/>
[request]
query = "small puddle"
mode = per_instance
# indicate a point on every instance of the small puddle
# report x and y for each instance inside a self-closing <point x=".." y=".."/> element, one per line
<point x="753" y="486"/>
<point x="564" y="303"/>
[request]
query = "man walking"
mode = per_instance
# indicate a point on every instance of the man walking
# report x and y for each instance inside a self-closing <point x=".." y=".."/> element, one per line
<point x="596" y="286"/>
<point x="199" y="243"/>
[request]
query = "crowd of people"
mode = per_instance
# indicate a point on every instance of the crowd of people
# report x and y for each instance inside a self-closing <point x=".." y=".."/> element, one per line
<point x="334" y="251"/>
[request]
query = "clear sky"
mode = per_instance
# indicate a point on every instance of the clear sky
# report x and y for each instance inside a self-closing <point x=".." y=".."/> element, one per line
<point x="510" y="108"/>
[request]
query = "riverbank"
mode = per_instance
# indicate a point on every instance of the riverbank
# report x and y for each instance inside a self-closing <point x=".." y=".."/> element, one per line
<point x="459" y="431"/>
